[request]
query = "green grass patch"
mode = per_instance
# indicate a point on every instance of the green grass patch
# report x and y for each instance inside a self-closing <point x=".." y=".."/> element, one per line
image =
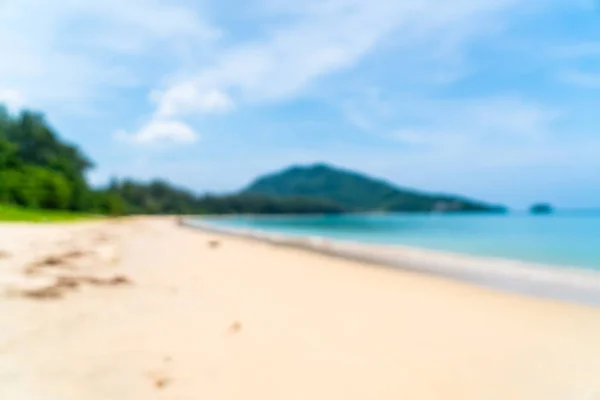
<point x="19" y="214"/>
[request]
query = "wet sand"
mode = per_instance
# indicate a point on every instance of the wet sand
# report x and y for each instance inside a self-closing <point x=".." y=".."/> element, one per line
<point x="145" y="309"/>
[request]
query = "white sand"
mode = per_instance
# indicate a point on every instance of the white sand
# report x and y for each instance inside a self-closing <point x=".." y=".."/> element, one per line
<point x="247" y="320"/>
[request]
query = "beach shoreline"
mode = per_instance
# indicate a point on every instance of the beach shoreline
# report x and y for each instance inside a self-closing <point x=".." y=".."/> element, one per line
<point x="560" y="283"/>
<point x="147" y="309"/>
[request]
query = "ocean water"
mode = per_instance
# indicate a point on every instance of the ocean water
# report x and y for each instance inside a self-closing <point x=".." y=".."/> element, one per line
<point x="570" y="239"/>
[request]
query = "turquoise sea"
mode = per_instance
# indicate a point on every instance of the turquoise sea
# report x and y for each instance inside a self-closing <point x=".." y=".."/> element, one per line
<point x="561" y="239"/>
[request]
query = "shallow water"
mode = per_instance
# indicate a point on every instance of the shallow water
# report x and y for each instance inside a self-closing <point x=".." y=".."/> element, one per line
<point x="562" y="239"/>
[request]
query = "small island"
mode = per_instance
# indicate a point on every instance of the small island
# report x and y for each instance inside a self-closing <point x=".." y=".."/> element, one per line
<point x="541" y="209"/>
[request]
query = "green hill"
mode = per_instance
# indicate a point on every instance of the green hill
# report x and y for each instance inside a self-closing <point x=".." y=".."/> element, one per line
<point x="357" y="192"/>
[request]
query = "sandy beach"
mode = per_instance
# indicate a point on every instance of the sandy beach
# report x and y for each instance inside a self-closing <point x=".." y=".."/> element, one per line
<point x="142" y="308"/>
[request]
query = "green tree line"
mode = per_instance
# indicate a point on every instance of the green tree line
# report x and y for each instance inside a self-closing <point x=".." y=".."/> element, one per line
<point x="159" y="197"/>
<point x="39" y="170"/>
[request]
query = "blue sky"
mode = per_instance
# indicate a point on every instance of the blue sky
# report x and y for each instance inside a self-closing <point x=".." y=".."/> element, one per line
<point x="494" y="99"/>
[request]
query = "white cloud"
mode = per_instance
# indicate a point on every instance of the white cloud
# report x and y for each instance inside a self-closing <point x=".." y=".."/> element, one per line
<point x="485" y="131"/>
<point x="186" y="99"/>
<point x="577" y="50"/>
<point x="454" y="126"/>
<point x="64" y="53"/>
<point x="573" y="59"/>
<point x="160" y="131"/>
<point x="68" y="53"/>
<point x="12" y="99"/>
<point x="581" y="78"/>
<point x="321" y="38"/>
<point x="416" y="137"/>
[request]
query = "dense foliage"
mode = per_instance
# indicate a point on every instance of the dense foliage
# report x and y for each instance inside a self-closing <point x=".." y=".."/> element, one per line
<point x="260" y="204"/>
<point x="38" y="170"/>
<point x="356" y="192"/>
<point x="161" y="198"/>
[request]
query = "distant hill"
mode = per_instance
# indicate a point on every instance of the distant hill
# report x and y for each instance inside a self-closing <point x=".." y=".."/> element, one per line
<point x="357" y="192"/>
